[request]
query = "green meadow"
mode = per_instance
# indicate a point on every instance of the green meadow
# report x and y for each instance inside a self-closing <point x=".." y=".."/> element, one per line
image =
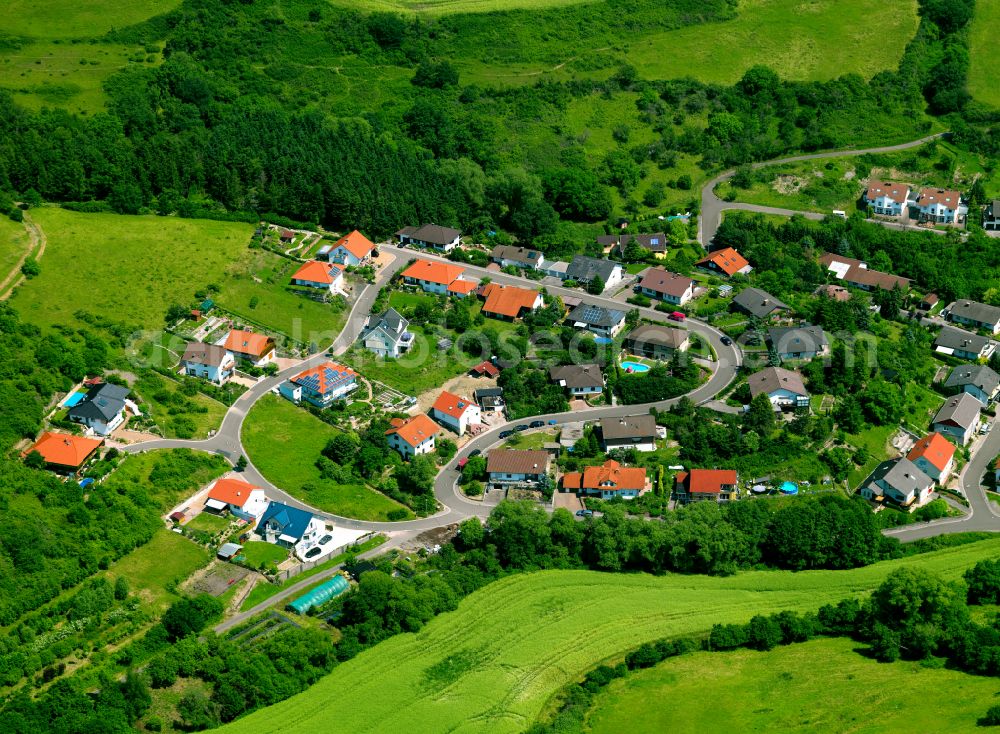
<point x="983" y="52"/>
<point x="75" y="19"/>
<point x="449" y="7"/>
<point x="493" y="664"/>
<point x="14" y="242"/>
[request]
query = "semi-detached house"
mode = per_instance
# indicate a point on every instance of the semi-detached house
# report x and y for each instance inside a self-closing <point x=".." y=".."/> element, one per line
<point x="887" y="199"/>
<point x="942" y="206"/>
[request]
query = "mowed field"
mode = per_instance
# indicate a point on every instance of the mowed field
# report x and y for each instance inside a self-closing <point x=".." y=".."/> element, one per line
<point x="491" y="665"/>
<point x="75" y="19"/>
<point x="446" y="7"/>
<point x="984" y="50"/>
<point x="818" y="686"/>
<point x="284" y="441"/>
<point x="126" y="269"/>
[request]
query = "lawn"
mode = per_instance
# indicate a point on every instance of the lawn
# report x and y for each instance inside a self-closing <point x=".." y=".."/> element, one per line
<point x="283" y="441"/>
<point x="72" y="19"/>
<point x="258" y="553"/>
<point x="491" y="665"/>
<point x="448" y="7"/>
<point x="154" y="569"/>
<point x="983" y="52"/>
<point x="812" y="687"/>
<point x="142" y="263"/>
<point x="422" y="368"/>
<point x="206" y="522"/>
<point x="14" y="242"/>
<point x="532" y="440"/>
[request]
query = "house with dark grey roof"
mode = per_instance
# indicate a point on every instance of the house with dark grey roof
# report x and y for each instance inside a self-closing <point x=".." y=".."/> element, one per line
<point x="974" y="314"/>
<point x="977" y="380"/>
<point x="580" y="380"/>
<point x="784" y="388"/>
<point x="656" y="342"/>
<point x="212" y="362"/>
<point x="602" y="321"/>
<point x="430" y="235"/>
<point x="630" y="431"/>
<point x="798" y="342"/>
<point x="899" y="481"/>
<point x="583" y="269"/>
<point x="958" y="417"/>
<point x="490" y="399"/>
<point x="518" y="257"/>
<point x="758" y="303"/>
<point x="615" y="244"/>
<point x="386" y="335"/>
<point x="991" y="215"/>
<point x="103" y="410"/>
<point x="963" y="344"/>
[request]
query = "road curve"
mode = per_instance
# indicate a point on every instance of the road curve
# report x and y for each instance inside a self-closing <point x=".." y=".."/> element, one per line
<point x="712" y="206"/>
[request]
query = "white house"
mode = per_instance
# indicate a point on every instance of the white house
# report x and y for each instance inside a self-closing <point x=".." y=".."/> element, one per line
<point x="321" y="386"/>
<point x="888" y="199"/>
<point x="584" y="269"/>
<point x="783" y="388"/>
<point x="977" y="380"/>
<point x="290" y="527"/>
<point x="975" y="314"/>
<point x="666" y="286"/>
<point x="387" y="335"/>
<point x="601" y="321"/>
<point x="432" y="277"/>
<point x="939" y="205"/>
<point x="507" y="467"/>
<point x="958" y="417"/>
<point x="412" y="436"/>
<point x="630" y="431"/>
<point x="351" y="250"/>
<point x="900" y="481"/>
<point x="210" y="362"/>
<point x="321" y="275"/>
<point x="581" y="380"/>
<point x="934" y="455"/>
<point x="239" y="498"/>
<point x="441" y="238"/>
<point x="455" y="412"/>
<point x="103" y="409"/>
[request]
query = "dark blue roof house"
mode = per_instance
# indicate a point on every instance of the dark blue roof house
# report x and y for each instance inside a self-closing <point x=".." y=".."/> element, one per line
<point x="103" y="409"/>
<point x="284" y="525"/>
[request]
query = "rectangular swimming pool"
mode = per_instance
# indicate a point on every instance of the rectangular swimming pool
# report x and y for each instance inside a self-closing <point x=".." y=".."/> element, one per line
<point x="73" y="399"/>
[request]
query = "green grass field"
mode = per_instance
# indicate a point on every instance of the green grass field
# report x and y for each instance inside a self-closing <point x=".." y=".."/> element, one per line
<point x="142" y="264"/>
<point x="818" y="686"/>
<point x="983" y="52"/>
<point x="284" y="441"/>
<point x="154" y="569"/>
<point x="258" y="552"/>
<point x="14" y="242"/>
<point x="69" y="19"/>
<point x="447" y="7"/>
<point x="491" y="665"/>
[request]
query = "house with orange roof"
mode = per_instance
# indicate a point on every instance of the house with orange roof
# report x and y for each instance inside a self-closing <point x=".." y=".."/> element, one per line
<point x="934" y="455"/>
<point x="412" y="436"/>
<point x="237" y="497"/>
<point x="321" y="385"/>
<point x="607" y="481"/>
<point x="456" y="413"/>
<point x="698" y="485"/>
<point x="318" y="274"/>
<point x="727" y="262"/>
<point x="351" y="250"/>
<point x="437" y="277"/>
<point x="257" y="349"/>
<point x="63" y="452"/>
<point x="508" y="302"/>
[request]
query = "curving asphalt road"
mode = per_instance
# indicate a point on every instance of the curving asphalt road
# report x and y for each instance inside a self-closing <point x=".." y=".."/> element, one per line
<point x="712" y="206"/>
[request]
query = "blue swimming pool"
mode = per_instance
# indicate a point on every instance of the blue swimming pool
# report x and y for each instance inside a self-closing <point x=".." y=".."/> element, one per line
<point x="74" y="399"/>
<point x="635" y="367"/>
<point x="789" y="488"/>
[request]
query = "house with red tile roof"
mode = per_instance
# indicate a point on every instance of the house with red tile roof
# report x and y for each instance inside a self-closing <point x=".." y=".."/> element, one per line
<point x="607" y="481"/>
<point x="455" y="412"/>
<point x="934" y="455"/>
<point x="943" y="206"/>
<point x="508" y="302"/>
<point x="727" y="262"/>
<point x="64" y="452"/>
<point x="237" y="497"/>
<point x="857" y="274"/>
<point x="485" y="369"/>
<point x="318" y="274"/>
<point x="321" y="385"/>
<point x="438" y="277"/>
<point x="351" y="250"/>
<point x="887" y="199"/>
<point x="666" y="286"/>
<point x="412" y="436"/>
<point x="258" y="349"/>
<point x="698" y="485"/>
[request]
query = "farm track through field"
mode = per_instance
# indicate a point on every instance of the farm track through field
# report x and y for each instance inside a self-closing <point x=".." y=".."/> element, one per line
<point x="36" y="248"/>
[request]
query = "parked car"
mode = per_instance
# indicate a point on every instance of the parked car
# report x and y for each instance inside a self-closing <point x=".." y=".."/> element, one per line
<point x="325" y="539"/>
<point x="727" y="341"/>
<point x="520" y="428"/>
<point x="313" y="552"/>
<point x="584" y="513"/>
<point x="676" y="316"/>
<point x="474" y="452"/>
<point x="553" y="422"/>
<point x="506" y="434"/>
<point x="537" y="424"/>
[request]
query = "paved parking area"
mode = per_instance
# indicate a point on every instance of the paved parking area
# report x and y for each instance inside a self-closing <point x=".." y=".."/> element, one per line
<point x="567" y="501"/>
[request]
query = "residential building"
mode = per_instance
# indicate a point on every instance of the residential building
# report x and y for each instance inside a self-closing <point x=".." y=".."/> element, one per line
<point x="758" y="303"/>
<point x="630" y="431"/>
<point x="958" y="417"/>
<point x="798" y="342"/>
<point x="597" y="319"/>
<point x="510" y="468"/>
<point x="387" y="334"/>
<point x="899" y="481"/>
<point x="928" y="302"/>
<point x="65" y="453"/>
<point x="103" y="410"/>
<point x="584" y="269"/>
<point x="456" y="413"/>
<point x="974" y="314"/>
<point x="462" y="287"/>
<point x="412" y="436"/>
<point x="727" y="262"/>
<point x="554" y="268"/>
<point x="321" y="385"/>
<point x="485" y="369"/>
<point x="518" y="257"/>
<point x="489" y="399"/>
<point x="290" y="527"/>
<point x="441" y="238"/>
<point x="834" y="292"/>
<point x="615" y="244"/>
<point x="943" y="206"/>
<point x="508" y="302"/>
<point x="934" y="455"/>
<point x="257" y="349"/>
<point x="239" y="498"/>
<point x="887" y="199"/>
<point x="963" y="344"/>
<point x="857" y="274"/>
<point x="320" y="275"/>
<point x="783" y="388"/>
<point x="666" y="286"/>
<point x="699" y="485"/>
<point x="581" y="380"/>
<point x="607" y="481"/>
<point x="351" y="250"/>
<point x="977" y="380"/>
<point x="211" y="362"/>
<point x="991" y="215"/>
<point x="431" y="276"/>
<point x="657" y="342"/>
